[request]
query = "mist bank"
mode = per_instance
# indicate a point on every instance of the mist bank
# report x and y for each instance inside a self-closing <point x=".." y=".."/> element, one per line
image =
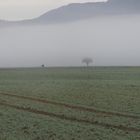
<point x="109" y="41"/>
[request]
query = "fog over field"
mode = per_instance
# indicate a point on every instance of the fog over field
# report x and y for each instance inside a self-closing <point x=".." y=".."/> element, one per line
<point x="111" y="40"/>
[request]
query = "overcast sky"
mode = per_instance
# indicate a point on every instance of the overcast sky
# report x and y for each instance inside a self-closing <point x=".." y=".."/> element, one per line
<point x="23" y="9"/>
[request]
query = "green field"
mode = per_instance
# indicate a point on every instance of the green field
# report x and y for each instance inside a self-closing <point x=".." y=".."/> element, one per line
<point x="99" y="103"/>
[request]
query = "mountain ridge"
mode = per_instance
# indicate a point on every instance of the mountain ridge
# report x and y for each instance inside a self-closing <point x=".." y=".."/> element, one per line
<point x="79" y="11"/>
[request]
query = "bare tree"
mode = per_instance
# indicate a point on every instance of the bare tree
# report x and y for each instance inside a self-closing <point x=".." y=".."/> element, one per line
<point x="87" y="61"/>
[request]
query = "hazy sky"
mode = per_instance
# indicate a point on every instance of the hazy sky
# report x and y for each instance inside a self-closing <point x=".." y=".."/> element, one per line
<point x="22" y="9"/>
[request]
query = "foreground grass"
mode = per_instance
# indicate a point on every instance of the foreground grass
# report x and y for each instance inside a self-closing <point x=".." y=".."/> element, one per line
<point x="106" y="88"/>
<point x="17" y="125"/>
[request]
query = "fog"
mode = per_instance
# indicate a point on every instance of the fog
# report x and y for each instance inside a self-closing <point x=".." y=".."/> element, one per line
<point x="109" y="41"/>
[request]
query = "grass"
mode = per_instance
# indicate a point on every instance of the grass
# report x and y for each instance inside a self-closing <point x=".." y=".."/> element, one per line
<point x="114" y="89"/>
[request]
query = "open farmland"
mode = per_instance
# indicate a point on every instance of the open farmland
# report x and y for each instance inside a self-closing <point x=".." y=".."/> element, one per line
<point x="101" y="103"/>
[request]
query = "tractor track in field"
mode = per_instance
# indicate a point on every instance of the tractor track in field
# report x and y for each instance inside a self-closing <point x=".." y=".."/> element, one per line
<point x="80" y="108"/>
<point x="73" y="119"/>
